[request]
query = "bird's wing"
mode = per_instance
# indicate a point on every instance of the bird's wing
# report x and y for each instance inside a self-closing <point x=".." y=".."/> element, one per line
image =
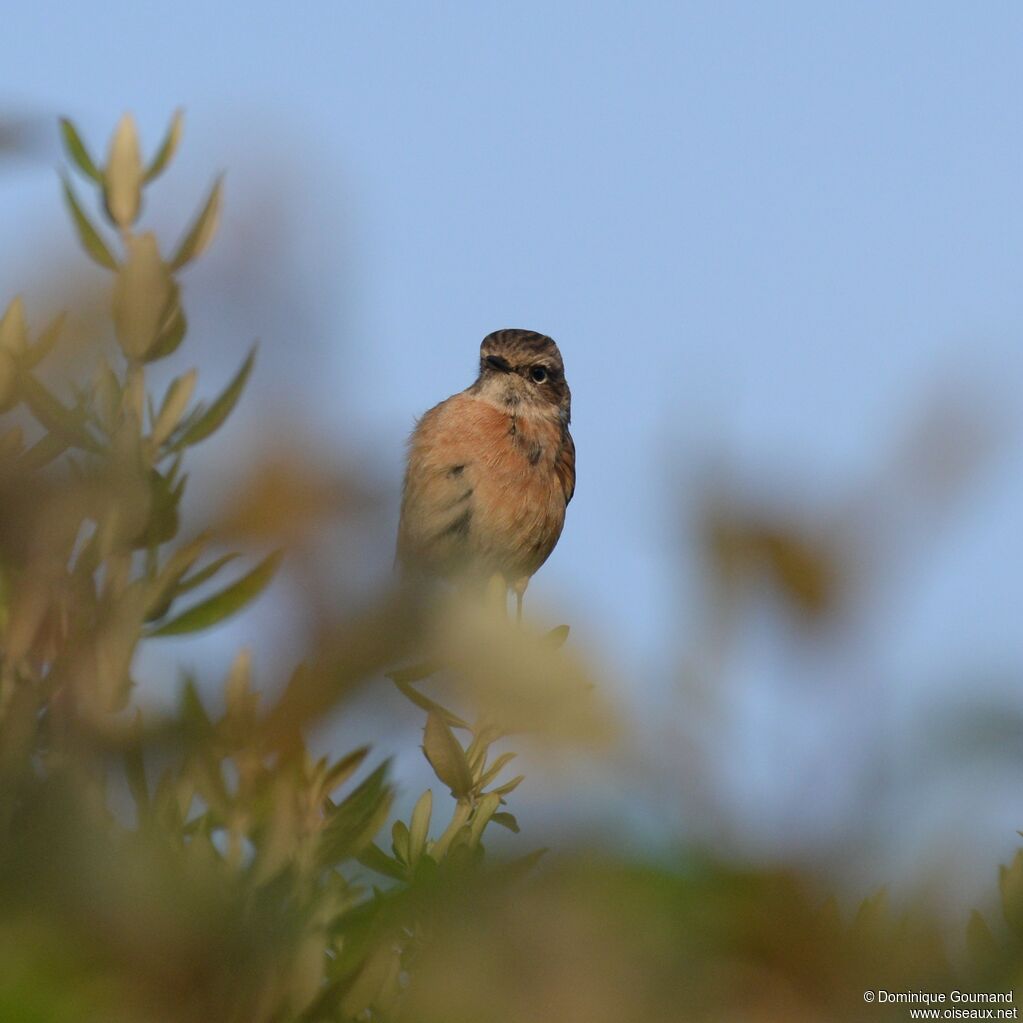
<point x="436" y="506"/>
<point x="565" y="466"/>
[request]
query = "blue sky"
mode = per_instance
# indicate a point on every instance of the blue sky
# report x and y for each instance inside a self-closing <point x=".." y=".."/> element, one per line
<point x="761" y="233"/>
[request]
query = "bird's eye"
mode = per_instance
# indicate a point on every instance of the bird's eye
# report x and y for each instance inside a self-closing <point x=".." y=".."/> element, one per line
<point x="538" y="374"/>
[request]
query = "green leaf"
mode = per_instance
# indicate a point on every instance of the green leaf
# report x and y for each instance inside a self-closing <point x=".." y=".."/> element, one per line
<point x="167" y="148"/>
<point x="163" y="586"/>
<point x="87" y="234"/>
<point x="420" y="827"/>
<point x="355" y="822"/>
<point x="46" y="343"/>
<point x="77" y="152"/>
<point x="145" y="297"/>
<point x="555" y="639"/>
<point x="485" y="810"/>
<point x="211" y="419"/>
<point x="425" y="703"/>
<point x="224" y="604"/>
<point x="205" y="574"/>
<point x="13" y="329"/>
<point x="122" y="178"/>
<point x="376" y="859"/>
<point x="175" y="401"/>
<point x="506" y="820"/>
<point x="400" y="842"/>
<point x="510" y="786"/>
<point x="68" y="424"/>
<point x="495" y="768"/>
<point x="171" y="333"/>
<point x="344" y="769"/>
<point x="202" y="230"/>
<point x="446" y="756"/>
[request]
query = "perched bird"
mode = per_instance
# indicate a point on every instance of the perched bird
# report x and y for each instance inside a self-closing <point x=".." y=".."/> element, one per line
<point x="491" y="469"/>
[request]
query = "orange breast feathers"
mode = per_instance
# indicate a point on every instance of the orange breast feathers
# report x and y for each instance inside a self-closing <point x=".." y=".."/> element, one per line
<point x="485" y="491"/>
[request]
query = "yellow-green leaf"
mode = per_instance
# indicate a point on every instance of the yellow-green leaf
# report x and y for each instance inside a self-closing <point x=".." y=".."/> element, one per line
<point x="176" y="400"/>
<point x="555" y="639"/>
<point x="77" y="152"/>
<point x="224" y="604"/>
<point x="13" y="329"/>
<point x="485" y="809"/>
<point x="355" y="821"/>
<point x="122" y="180"/>
<point x="400" y="841"/>
<point x="205" y="574"/>
<point x="506" y="820"/>
<point x="446" y="756"/>
<point x="200" y="234"/>
<point x="144" y="293"/>
<point x="46" y="343"/>
<point x="171" y="333"/>
<point x="424" y="702"/>
<point x="495" y="768"/>
<point x="68" y="424"/>
<point x="167" y="148"/>
<point x="344" y="769"/>
<point x="90" y="238"/>
<point x="420" y="826"/>
<point x="205" y="424"/>
<point x="376" y="859"/>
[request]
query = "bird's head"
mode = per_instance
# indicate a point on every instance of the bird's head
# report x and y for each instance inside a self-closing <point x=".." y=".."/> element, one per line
<point x="524" y="371"/>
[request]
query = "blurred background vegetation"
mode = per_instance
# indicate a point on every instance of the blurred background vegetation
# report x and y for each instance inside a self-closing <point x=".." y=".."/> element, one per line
<point x="776" y="761"/>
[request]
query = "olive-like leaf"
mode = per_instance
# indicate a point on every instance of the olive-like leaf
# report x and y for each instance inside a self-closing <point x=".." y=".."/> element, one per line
<point x="400" y="842"/>
<point x="122" y="179"/>
<point x="510" y="786"/>
<point x="420" y="826"/>
<point x="171" y="333"/>
<point x="555" y="639"/>
<point x="340" y="772"/>
<point x="167" y="149"/>
<point x="205" y="574"/>
<point x="46" y="343"/>
<point x="145" y="297"/>
<point x="425" y="703"/>
<point x="13" y="328"/>
<point x="485" y="810"/>
<point x="175" y="401"/>
<point x="495" y="768"/>
<point x="446" y="756"/>
<point x="376" y="859"/>
<point x="200" y="234"/>
<point x="77" y="152"/>
<point x="68" y="424"/>
<point x="164" y="585"/>
<point x="506" y="820"/>
<point x="90" y="238"/>
<point x="224" y="604"/>
<point x="211" y="419"/>
<point x="355" y="821"/>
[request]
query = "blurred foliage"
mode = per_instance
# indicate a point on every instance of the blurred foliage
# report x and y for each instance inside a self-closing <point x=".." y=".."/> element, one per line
<point x="205" y="866"/>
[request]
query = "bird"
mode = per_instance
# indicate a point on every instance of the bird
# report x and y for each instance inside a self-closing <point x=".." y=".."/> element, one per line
<point x="491" y="470"/>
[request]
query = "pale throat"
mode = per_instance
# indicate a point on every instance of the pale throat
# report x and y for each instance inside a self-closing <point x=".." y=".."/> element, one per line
<point x="504" y="394"/>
